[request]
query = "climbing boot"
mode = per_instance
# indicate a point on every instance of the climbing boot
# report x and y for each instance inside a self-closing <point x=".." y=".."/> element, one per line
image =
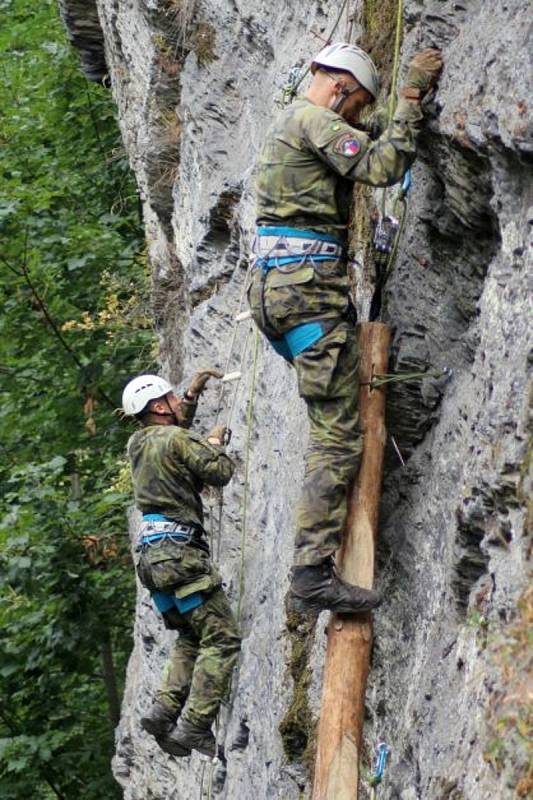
<point x="159" y="721"/>
<point x="189" y="736"/>
<point x="318" y="587"/>
<point x="167" y="744"/>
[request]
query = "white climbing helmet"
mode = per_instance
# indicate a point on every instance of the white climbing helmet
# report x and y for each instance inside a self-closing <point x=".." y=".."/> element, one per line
<point x="350" y="58"/>
<point x="140" y="390"/>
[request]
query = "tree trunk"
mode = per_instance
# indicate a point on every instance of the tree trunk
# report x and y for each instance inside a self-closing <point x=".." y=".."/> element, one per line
<point x="113" y="700"/>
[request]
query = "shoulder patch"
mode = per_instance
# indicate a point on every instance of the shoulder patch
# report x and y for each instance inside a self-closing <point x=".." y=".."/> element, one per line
<point x="346" y="145"/>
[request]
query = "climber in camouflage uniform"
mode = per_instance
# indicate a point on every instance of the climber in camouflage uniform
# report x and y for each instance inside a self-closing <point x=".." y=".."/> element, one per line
<point x="169" y="467"/>
<point x="299" y="292"/>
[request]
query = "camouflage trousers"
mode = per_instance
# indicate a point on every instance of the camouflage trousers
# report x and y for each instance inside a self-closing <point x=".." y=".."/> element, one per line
<point x="327" y="375"/>
<point x="197" y="675"/>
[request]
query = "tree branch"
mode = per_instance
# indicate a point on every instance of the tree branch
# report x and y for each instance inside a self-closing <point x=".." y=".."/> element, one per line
<point x="55" y="330"/>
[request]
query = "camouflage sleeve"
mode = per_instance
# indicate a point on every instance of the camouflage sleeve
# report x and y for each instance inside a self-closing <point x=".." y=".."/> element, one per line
<point x="352" y="153"/>
<point x="187" y="411"/>
<point x="210" y="464"/>
<point x="377" y="121"/>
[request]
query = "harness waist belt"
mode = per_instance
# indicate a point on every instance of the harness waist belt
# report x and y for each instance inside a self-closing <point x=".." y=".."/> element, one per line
<point x="276" y="247"/>
<point x="156" y="527"/>
<point x="173" y="536"/>
<point x="298" y="233"/>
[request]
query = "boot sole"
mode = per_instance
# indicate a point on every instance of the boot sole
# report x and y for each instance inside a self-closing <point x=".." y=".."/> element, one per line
<point x="211" y="753"/>
<point x="306" y="607"/>
<point x="209" y="750"/>
<point x="173" y="749"/>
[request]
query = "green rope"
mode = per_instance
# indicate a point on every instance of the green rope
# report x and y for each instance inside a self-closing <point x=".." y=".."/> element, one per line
<point x="202" y="774"/>
<point x="394" y="77"/>
<point x="247" y="472"/>
<point x="241" y="366"/>
<point x="401" y="377"/>
<point x="396" y="60"/>
<point x="210" y="782"/>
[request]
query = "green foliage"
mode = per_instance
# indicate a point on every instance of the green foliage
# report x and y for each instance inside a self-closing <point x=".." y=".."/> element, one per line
<point x="74" y="328"/>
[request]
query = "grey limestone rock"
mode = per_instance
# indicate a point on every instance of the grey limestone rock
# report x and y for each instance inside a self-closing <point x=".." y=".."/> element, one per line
<point x="86" y="35"/>
<point x="196" y="84"/>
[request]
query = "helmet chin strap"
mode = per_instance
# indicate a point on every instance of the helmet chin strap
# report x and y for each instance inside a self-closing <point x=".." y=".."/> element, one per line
<point x="340" y="100"/>
<point x="343" y="95"/>
<point x="168" y="413"/>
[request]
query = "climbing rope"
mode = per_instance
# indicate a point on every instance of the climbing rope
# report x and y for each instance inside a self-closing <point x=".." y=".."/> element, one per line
<point x="216" y="495"/>
<point x="235" y="323"/>
<point x="217" y="537"/>
<point x="396" y="60"/>
<point x="244" y="514"/>
<point x="247" y="450"/>
<point x="241" y="366"/>
<point x="389" y="229"/>
<point x="394" y="78"/>
<point x="202" y="775"/>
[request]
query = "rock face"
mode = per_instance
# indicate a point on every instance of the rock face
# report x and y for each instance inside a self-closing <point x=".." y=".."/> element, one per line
<point x="196" y="84"/>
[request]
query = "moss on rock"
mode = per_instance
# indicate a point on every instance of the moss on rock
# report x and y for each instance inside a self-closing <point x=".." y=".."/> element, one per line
<point x="297" y="727"/>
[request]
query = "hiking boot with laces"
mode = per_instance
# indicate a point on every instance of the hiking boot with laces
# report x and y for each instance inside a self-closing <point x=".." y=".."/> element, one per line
<point x="189" y="736"/>
<point x="159" y="721"/>
<point x="318" y="588"/>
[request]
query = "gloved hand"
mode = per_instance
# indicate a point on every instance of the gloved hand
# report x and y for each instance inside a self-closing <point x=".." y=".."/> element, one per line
<point x="199" y="380"/>
<point x="424" y="70"/>
<point x="219" y="435"/>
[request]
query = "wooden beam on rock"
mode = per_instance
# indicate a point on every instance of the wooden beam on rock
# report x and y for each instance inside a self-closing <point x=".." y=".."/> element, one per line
<point x="349" y="647"/>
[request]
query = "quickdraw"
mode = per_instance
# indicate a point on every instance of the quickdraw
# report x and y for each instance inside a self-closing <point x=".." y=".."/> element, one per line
<point x="383" y="751"/>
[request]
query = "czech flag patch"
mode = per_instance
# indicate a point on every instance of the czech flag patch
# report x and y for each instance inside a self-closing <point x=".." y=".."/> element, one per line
<point x="347" y="146"/>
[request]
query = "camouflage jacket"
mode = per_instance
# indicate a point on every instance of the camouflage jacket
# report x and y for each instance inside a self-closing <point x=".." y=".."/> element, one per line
<point x="169" y="467"/>
<point x="312" y="156"/>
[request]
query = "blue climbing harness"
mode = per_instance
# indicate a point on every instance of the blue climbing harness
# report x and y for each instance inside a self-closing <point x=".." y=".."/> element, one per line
<point x="301" y="338"/>
<point x="278" y="247"/>
<point x="156" y="528"/>
<point x="164" y="601"/>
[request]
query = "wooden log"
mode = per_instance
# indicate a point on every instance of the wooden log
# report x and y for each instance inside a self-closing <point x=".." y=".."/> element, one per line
<point x="349" y="647"/>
